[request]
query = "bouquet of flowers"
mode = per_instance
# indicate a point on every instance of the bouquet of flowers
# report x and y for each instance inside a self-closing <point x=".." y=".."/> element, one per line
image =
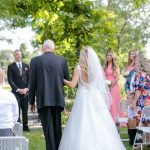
<point x="108" y="82"/>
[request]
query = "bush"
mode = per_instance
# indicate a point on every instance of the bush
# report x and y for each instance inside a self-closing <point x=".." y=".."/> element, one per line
<point x="67" y="110"/>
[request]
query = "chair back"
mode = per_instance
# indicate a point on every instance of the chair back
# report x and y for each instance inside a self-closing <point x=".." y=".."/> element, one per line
<point x="17" y="130"/>
<point x="13" y="143"/>
<point x="123" y="106"/>
<point x="145" y="115"/>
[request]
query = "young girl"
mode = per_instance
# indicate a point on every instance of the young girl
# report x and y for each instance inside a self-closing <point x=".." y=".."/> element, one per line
<point x="90" y="125"/>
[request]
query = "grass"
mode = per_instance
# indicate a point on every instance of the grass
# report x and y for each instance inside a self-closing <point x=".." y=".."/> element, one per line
<point x="36" y="140"/>
<point x="125" y="136"/>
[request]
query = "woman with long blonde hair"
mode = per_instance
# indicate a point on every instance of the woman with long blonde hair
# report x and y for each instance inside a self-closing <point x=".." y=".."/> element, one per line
<point x="90" y="124"/>
<point x="131" y="61"/>
<point x="112" y="73"/>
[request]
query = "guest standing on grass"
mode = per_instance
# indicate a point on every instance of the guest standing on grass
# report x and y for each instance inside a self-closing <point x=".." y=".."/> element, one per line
<point x="132" y="114"/>
<point x="17" y="75"/>
<point x="8" y="109"/>
<point x="112" y="73"/>
<point x="46" y="83"/>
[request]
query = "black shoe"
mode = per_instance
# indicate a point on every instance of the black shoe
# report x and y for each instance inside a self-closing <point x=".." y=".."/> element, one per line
<point x="26" y="129"/>
<point x="147" y="146"/>
<point x="131" y="133"/>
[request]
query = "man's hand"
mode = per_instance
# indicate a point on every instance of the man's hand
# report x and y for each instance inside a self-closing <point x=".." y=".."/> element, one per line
<point x="25" y="91"/>
<point x="19" y="91"/>
<point x="22" y="91"/>
<point x="32" y="107"/>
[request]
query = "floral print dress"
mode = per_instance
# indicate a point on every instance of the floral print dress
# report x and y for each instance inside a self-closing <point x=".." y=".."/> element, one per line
<point x="142" y="84"/>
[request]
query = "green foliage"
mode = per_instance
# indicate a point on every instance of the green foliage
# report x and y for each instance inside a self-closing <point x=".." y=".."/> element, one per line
<point x="75" y="23"/>
<point x="120" y="26"/>
<point x="6" y="56"/>
<point x="66" y="112"/>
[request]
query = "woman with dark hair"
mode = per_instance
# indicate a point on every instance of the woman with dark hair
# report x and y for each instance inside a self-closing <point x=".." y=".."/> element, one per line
<point x="112" y="73"/>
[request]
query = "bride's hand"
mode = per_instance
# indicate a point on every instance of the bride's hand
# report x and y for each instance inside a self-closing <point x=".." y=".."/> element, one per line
<point x="65" y="80"/>
<point x="68" y="83"/>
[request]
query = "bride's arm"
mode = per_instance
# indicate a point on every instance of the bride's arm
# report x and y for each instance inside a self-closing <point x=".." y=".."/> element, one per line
<point x="75" y="79"/>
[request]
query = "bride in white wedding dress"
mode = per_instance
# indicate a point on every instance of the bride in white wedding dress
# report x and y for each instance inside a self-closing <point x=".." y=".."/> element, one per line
<point x="90" y="126"/>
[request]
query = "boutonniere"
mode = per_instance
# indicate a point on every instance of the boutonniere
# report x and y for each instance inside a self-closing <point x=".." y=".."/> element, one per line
<point x="26" y="69"/>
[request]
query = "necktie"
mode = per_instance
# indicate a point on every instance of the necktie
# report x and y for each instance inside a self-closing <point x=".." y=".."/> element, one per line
<point x="20" y="69"/>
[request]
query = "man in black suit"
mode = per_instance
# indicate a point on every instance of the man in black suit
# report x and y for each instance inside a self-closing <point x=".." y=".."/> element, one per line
<point x="18" y="74"/>
<point x="46" y="82"/>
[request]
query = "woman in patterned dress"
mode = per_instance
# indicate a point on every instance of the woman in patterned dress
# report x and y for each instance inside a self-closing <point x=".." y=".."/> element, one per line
<point x="142" y="85"/>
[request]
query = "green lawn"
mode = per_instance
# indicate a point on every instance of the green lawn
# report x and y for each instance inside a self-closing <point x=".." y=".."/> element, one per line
<point x="36" y="140"/>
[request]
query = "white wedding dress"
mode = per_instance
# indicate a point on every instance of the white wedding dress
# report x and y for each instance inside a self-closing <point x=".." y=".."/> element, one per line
<point x="90" y="126"/>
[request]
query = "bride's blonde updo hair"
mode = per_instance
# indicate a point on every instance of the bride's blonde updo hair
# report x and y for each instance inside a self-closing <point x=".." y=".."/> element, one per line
<point x="83" y="61"/>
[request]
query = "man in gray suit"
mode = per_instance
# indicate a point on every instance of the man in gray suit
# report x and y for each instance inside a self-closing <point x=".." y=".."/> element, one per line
<point x="46" y="83"/>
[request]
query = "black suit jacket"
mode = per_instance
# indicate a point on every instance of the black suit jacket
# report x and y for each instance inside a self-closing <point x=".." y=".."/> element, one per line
<point x="15" y="79"/>
<point x="46" y="80"/>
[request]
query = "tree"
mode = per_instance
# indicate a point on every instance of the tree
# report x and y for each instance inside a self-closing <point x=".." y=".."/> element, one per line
<point x="6" y="57"/>
<point x="120" y="26"/>
<point x="132" y="21"/>
<point x="74" y="23"/>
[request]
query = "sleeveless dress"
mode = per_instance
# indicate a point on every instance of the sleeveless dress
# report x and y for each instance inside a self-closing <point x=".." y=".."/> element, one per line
<point x="90" y="126"/>
<point x="130" y="68"/>
<point x="115" y="93"/>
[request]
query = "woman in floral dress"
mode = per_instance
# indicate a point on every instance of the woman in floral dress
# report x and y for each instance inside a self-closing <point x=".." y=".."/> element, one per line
<point x="142" y="86"/>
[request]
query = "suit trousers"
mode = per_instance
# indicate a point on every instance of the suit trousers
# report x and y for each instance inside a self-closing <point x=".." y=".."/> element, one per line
<point x="23" y="105"/>
<point x="51" y="122"/>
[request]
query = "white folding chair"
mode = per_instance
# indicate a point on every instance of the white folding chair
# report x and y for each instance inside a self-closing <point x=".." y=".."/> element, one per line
<point x="16" y="142"/>
<point x="142" y="131"/>
<point x="122" y="117"/>
<point x="17" y="130"/>
<point x="13" y="143"/>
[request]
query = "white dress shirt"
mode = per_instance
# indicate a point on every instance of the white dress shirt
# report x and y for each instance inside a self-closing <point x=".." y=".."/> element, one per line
<point x="17" y="63"/>
<point x="9" y="111"/>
